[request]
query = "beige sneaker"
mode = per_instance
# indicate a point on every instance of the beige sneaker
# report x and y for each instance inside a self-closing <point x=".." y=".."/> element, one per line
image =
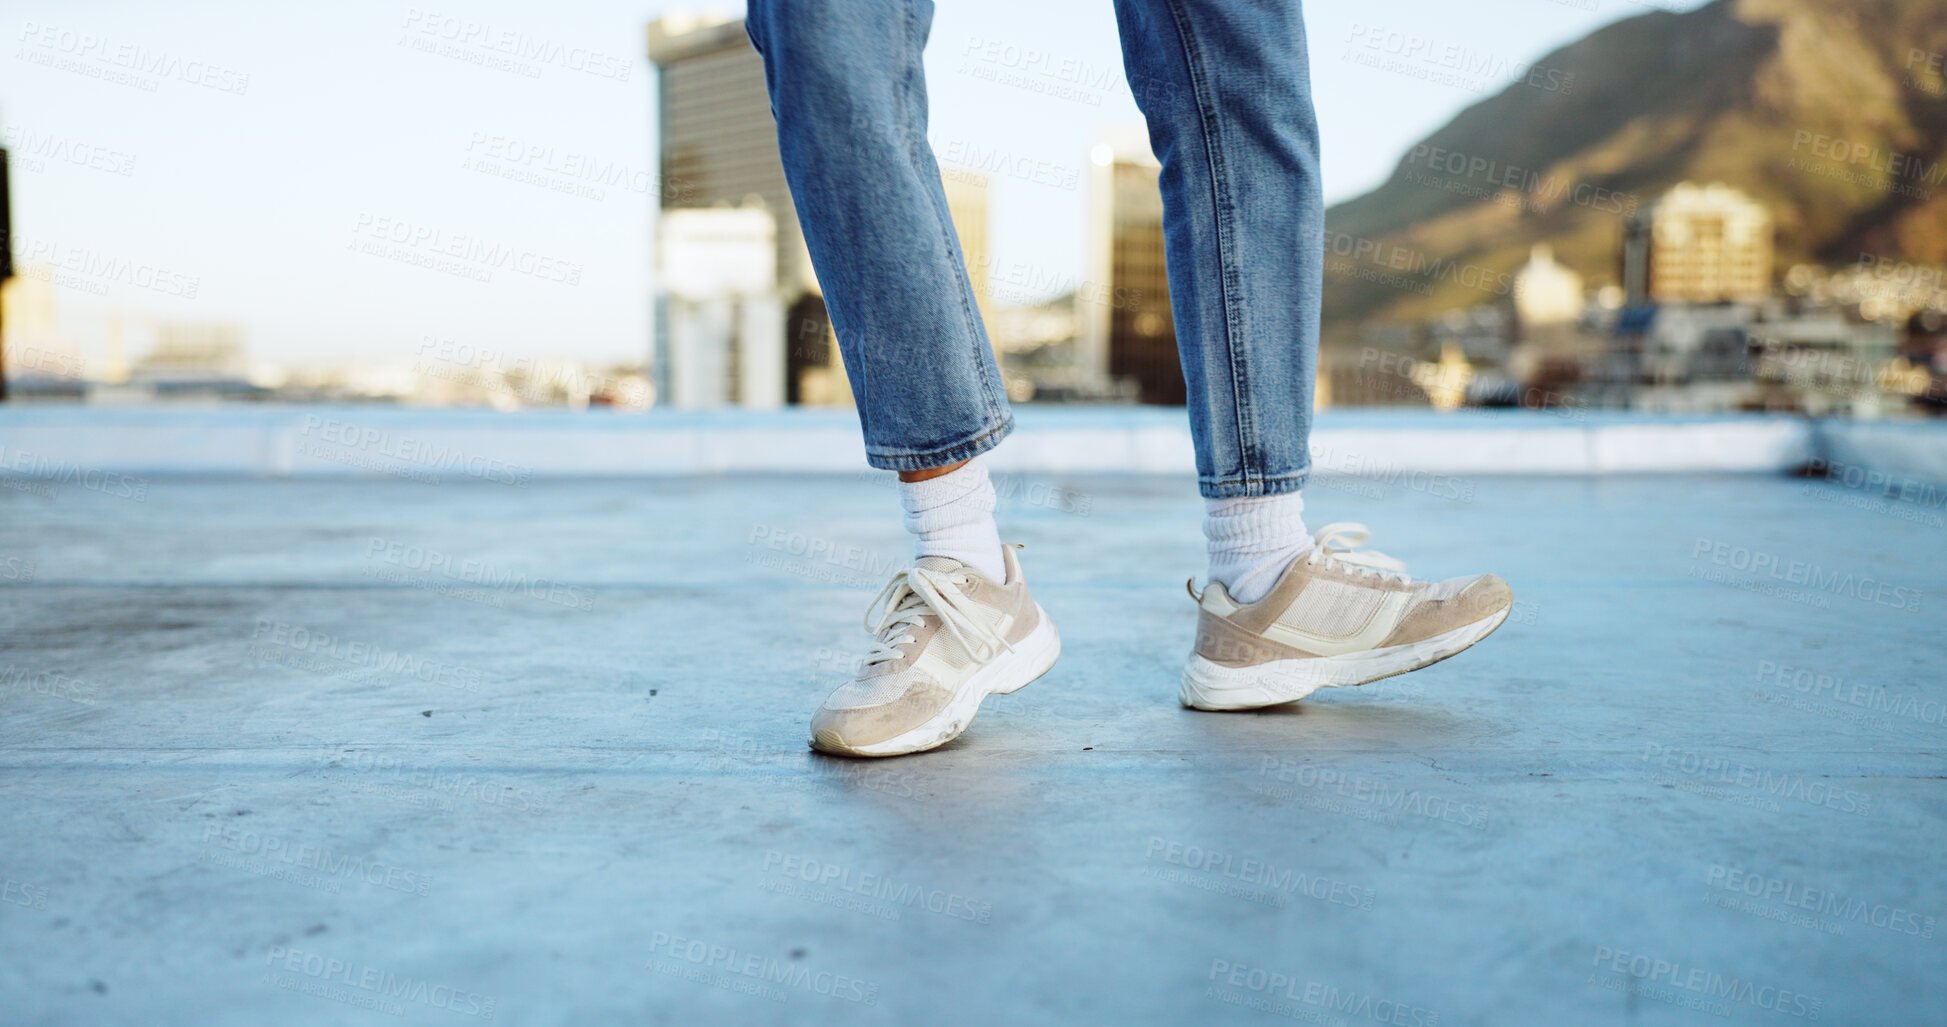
<point x="1336" y="617"/>
<point x="949" y="637"/>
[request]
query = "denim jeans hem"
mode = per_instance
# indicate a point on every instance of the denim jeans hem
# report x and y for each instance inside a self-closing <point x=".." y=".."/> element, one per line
<point x="980" y="442"/>
<point x="1236" y="488"/>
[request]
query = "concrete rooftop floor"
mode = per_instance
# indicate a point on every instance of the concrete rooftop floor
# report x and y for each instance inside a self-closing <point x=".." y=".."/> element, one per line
<point x="377" y="751"/>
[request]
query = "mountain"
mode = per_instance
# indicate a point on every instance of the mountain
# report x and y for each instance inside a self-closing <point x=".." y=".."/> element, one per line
<point x="1832" y="112"/>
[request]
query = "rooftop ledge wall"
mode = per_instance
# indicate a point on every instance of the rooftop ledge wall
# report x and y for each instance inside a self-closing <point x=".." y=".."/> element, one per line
<point x="450" y="444"/>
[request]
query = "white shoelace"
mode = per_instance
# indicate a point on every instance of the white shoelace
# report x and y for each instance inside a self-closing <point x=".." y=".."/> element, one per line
<point x="1338" y="543"/>
<point x="915" y="593"/>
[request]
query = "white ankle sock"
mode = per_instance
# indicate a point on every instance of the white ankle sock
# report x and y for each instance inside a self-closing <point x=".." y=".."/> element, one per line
<point x="1252" y="540"/>
<point x="953" y="516"/>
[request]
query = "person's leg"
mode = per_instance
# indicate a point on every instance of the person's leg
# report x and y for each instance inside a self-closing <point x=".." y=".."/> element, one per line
<point x="1225" y="87"/>
<point x="848" y="89"/>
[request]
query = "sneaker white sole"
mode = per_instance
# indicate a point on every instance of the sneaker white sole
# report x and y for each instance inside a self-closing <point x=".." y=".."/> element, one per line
<point x="1011" y="671"/>
<point x="1211" y="686"/>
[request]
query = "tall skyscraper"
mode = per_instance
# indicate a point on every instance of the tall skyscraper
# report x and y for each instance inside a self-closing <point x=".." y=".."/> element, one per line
<point x="1127" y="331"/>
<point x="1698" y="244"/>
<point x="719" y="149"/>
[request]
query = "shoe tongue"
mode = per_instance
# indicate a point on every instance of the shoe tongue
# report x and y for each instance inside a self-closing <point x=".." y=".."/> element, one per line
<point x="942" y="564"/>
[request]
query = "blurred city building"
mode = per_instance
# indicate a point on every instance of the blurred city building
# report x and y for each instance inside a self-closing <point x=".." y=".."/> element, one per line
<point x="718" y="145"/>
<point x="1924" y="351"/>
<point x="1705" y="328"/>
<point x="1481" y="334"/>
<point x="47" y="359"/>
<point x="448" y="374"/>
<point x="42" y="359"/>
<point x="1698" y="326"/>
<point x="189" y="350"/>
<point x="719" y="148"/>
<point x="195" y="360"/>
<point x="1698" y="244"/>
<point x="1695" y="264"/>
<point x="1128" y="330"/>
<point x="722" y="338"/>
<point x="1547" y="295"/>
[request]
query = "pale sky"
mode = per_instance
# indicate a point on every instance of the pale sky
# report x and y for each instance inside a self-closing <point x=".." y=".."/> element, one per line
<point x="236" y="183"/>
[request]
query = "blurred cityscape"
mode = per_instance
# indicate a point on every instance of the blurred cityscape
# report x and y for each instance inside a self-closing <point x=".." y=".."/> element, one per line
<point x="1486" y="272"/>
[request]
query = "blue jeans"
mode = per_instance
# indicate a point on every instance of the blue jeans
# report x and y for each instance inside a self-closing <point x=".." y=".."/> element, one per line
<point x="1225" y="88"/>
